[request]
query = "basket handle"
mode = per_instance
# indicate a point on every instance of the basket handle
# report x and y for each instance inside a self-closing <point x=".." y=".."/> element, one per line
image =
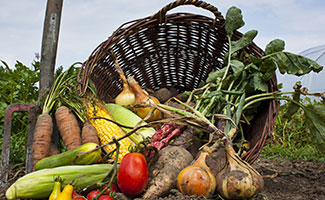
<point x="161" y="15"/>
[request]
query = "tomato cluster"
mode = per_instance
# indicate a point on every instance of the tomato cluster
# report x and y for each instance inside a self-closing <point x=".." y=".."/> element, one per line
<point x="94" y="193"/>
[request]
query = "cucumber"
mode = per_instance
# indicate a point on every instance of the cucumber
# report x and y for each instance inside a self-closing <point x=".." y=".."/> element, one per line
<point x="71" y="157"/>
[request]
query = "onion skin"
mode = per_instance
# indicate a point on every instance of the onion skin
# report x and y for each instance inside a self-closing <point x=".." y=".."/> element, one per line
<point x="143" y="112"/>
<point x="197" y="178"/>
<point x="238" y="180"/>
<point x="141" y="98"/>
<point x="126" y="97"/>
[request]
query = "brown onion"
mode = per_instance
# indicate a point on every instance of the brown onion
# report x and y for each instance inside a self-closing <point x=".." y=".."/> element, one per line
<point x="142" y="98"/>
<point x="238" y="180"/>
<point x="197" y="178"/>
<point x="127" y="96"/>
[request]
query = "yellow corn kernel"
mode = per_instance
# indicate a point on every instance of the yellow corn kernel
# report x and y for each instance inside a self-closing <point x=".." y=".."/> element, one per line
<point x="106" y="130"/>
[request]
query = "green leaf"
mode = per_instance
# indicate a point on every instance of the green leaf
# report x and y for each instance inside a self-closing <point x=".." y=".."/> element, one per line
<point x="255" y="60"/>
<point x="214" y="93"/>
<point x="268" y="68"/>
<point x="258" y="83"/>
<point x="274" y="46"/>
<point x="294" y="64"/>
<point x="234" y="20"/>
<point x="237" y="67"/>
<point x="214" y="75"/>
<point x="315" y="121"/>
<point x="239" y="110"/>
<point x="293" y="107"/>
<point x="244" y="41"/>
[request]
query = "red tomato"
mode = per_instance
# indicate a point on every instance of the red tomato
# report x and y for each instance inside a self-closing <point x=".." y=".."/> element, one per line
<point x="92" y="194"/>
<point x="79" y="198"/>
<point x="113" y="187"/>
<point x="105" y="197"/>
<point x="132" y="175"/>
<point x="75" y="194"/>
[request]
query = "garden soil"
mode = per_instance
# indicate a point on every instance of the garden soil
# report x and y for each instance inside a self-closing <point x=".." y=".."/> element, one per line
<point x="283" y="180"/>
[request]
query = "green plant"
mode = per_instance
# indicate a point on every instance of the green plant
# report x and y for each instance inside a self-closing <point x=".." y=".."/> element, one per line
<point x="290" y="139"/>
<point x="18" y="85"/>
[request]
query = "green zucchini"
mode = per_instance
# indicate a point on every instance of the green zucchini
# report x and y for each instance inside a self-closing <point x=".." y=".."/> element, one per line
<point x="74" y="156"/>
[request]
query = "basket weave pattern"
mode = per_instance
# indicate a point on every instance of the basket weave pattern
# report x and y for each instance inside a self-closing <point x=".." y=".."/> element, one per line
<point x="172" y="50"/>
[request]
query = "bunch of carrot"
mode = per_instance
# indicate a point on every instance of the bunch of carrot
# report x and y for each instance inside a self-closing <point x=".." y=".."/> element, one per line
<point x="60" y="101"/>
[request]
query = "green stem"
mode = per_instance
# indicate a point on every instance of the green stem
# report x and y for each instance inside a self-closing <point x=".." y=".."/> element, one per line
<point x="228" y="65"/>
<point x="114" y="170"/>
<point x="208" y="107"/>
<point x="198" y="103"/>
<point x="197" y="113"/>
<point x="272" y="97"/>
<point x="266" y="94"/>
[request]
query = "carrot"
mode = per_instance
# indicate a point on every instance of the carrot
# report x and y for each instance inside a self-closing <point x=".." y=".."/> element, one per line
<point x="75" y="102"/>
<point x="53" y="150"/>
<point x="42" y="137"/>
<point x="68" y="127"/>
<point x="44" y="124"/>
<point x="89" y="134"/>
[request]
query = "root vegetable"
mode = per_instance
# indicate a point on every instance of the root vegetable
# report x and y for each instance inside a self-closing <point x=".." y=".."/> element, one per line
<point x="44" y="124"/>
<point x="238" y="180"/>
<point x="144" y="99"/>
<point x="42" y="137"/>
<point x="164" y="94"/>
<point x="217" y="160"/>
<point x="197" y="178"/>
<point x="189" y="141"/>
<point x="68" y="127"/>
<point x="171" y="161"/>
<point x="89" y="134"/>
<point x="127" y="96"/>
<point x="53" y="150"/>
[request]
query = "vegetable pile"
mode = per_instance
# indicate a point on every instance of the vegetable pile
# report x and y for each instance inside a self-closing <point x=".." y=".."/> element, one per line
<point x="144" y="143"/>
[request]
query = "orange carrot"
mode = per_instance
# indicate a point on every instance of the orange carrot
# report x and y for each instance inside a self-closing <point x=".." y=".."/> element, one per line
<point x="89" y="133"/>
<point x="42" y="137"/>
<point x="68" y="127"/>
<point x="44" y="124"/>
<point x="53" y="150"/>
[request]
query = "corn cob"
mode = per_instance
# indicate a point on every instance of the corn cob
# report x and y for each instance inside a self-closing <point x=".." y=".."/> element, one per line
<point x="39" y="184"/>
<point x="126" y="117"/>
<point x="106" y="129"/>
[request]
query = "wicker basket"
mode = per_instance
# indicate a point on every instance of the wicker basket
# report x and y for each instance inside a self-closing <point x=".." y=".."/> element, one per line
<point x="175" y="50"/>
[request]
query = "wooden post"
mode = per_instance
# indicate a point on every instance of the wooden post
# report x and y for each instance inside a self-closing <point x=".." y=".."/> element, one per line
<point x="49" y="45"/>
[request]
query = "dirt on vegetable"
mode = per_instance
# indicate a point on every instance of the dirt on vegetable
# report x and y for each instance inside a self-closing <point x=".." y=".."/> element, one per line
<point x="163" y="173"/>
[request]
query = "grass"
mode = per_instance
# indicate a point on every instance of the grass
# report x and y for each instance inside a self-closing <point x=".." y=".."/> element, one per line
<point x="291" y="140"/>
